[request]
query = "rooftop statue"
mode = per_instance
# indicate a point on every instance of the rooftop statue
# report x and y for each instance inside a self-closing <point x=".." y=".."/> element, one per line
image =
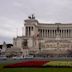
<point x="31" y="17"/>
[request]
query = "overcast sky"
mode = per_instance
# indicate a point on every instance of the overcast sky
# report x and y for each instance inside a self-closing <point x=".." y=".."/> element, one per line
<point x="14" y="12"/>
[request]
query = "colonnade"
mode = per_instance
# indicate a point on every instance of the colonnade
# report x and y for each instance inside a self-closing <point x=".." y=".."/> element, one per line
<point x="51" y="33"/>
<point x="28" y="31"/>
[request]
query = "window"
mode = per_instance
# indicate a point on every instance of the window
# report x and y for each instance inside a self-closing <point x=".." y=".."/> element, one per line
<point x="24" y="43"/>
<point x="32" y="28"/>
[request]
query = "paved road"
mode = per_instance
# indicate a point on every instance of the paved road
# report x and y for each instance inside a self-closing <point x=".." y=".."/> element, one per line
<point x="36" y="58"/>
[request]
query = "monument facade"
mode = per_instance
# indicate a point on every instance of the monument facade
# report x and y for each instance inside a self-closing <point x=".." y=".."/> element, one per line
<point x="45" y="38"/>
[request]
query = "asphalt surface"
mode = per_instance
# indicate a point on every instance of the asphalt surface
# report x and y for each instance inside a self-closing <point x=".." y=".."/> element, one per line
<point x="36" y="58"/>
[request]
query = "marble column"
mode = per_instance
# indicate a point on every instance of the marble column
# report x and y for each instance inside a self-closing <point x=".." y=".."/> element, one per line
<point x="68" y="33"/>
<point x="49" y="34"/>
<point x="46" y="32"/>
<point x="64" y="34"/>
<point x="28" y="31"/>
<point x="61" y="33"/>
<point x="42" y="32"/>
<point x="54" y="34"/>
<point x="71" y="33"/>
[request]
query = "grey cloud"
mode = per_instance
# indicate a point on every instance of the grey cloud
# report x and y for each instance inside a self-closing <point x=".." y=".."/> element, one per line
<point x="13" y="13"/>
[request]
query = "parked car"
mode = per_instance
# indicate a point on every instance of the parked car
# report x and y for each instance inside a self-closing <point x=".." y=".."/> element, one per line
<point x="3" y="58"/>
<point x="28" y="57"/>
<point x="17" y="57"/>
